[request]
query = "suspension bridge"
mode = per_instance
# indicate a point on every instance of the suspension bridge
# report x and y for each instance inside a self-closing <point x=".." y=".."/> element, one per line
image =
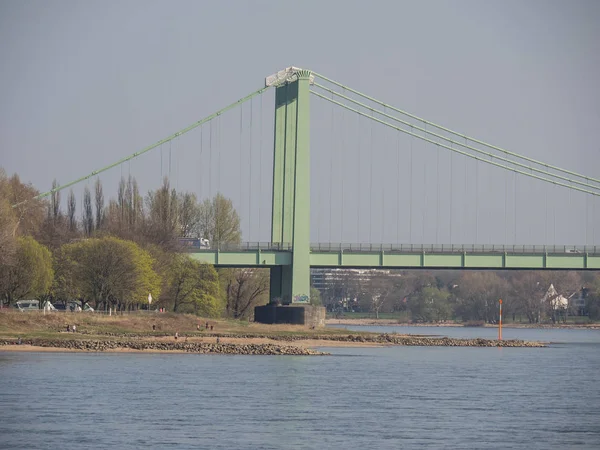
<point x="393" y="177"/>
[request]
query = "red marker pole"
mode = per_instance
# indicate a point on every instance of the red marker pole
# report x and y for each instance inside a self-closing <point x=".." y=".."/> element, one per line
<point x="500" y="323"/>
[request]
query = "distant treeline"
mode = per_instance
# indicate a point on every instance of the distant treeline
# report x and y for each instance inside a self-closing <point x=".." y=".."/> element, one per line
<point x="465" y="295"/>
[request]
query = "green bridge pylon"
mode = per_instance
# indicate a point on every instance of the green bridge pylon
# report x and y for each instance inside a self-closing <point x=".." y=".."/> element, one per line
<point x="290" y="223"/>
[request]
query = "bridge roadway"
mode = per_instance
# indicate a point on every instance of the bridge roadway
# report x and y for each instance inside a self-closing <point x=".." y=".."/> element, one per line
<point x="407" y="256"/>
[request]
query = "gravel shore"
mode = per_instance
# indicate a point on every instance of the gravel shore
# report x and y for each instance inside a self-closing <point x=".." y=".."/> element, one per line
<point x="254" y="345"/>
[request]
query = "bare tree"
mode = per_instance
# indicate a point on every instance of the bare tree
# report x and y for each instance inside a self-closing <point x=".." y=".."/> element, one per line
<point x="162" y="214"/>
<point x="100" y="213"/>
<point x="55" y="203"/>
<point x="528" y="289"/>
<point x="71" y="212"/>
<point x="375" y="290"/>
<point x="189" y="215"/>
<point x="477" y="296"/>
<point x="121" y="202"/>
<point x="28" y="211"/>
<point x="88" y="214"/>
<point x="244" y="289"/>
<point x="219" y="221"/>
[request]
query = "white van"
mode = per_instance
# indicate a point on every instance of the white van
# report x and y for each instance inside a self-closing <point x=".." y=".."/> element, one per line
<point x="28" y="305"/>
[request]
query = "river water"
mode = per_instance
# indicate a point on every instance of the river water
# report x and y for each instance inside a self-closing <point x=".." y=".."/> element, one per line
<point x="367" y="398"/>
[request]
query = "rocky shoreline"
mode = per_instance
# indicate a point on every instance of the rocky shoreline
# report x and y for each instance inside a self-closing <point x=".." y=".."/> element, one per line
<point x="187" y="347"/>
<point x="413" y="341"/>
<point x="140" y="343"/>
<point x="384" y="338"/>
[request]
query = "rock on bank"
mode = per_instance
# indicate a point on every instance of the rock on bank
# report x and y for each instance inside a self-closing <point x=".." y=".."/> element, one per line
<point x="188" y="347"/>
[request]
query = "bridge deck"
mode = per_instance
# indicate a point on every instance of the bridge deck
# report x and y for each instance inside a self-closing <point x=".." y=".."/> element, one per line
<point x="408" y="256"/>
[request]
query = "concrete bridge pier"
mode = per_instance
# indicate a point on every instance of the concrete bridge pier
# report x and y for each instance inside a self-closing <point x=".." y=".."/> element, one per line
<point x="290" y="222"/>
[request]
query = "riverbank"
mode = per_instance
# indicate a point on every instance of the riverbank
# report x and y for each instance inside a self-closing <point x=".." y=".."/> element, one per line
<point x="247" y="345"/>
<point x="395" y="323"/>
<point x="190" y="334"/>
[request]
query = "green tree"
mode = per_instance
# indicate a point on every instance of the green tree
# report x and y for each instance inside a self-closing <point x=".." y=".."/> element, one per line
<point x="31" y="274"/>
<point x="193" y="287"/>
<point x="430" y="304"/>
<point x="65" y="285"/>
<point x="315" y="297"/>
<point x="111" y="272"/>
<point x="8" y="223"/>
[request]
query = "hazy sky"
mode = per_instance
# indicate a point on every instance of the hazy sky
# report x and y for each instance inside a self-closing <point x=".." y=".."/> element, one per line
<point x="84" y="83"/>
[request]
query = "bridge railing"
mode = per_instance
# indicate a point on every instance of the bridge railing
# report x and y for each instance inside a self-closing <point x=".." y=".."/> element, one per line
<point x="453" y="248"/>
<point x="398" y="248"/>
<point x="193" y="246"/>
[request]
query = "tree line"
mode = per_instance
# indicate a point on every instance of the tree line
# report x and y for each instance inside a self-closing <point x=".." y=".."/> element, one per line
<point x="116" y="251"/>
<point x="467" y="296"/>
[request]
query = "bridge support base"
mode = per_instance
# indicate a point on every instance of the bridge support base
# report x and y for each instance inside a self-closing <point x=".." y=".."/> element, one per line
<point x="306" y="315"/>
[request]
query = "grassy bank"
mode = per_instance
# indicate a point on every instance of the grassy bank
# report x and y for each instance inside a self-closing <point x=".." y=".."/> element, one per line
<point x="54" y="324"/>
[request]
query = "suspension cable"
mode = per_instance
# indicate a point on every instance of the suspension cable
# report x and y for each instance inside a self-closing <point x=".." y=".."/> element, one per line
<point x="505" y="205"/>
<point x="447" y="130"/>
<point x="466" y="146"/>
<point x="437" y="197"/>
<point x="210" y="168"/>
<point x="451" y="197"/>
<point x="343" y="128"/>
<point x="240" y="157"/>
<point x="260" y="146"/>
<point x="383" y="208"/>
<point x="515" y="207"/>
<point x="398" y="188"/>
<point x="371" y="185"/>
<point x="476" y="202"/>
<point x="148" y="148"/>
<point x="358" y="178"/>
<point x="410" y="163"/>
<point x="424" y="208"/>
<point x="250" y="188"/>
<point x="200" y="178"/>
<point x="477" y="158"/>
<point x="331" y="146"/>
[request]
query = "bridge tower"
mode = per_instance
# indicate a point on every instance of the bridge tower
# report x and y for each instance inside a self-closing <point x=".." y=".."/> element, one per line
<point x="290" y="222"/>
